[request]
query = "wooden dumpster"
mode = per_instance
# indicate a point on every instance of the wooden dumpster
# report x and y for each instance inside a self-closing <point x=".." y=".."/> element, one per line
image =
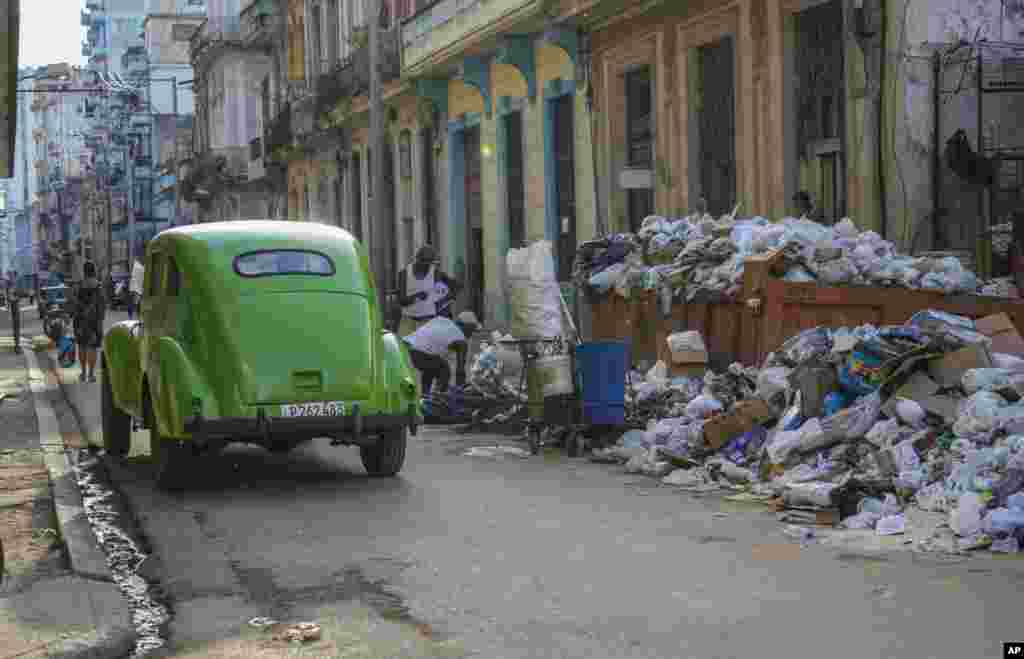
<point x="771" y="310"/>
<point x="789" y="308"/>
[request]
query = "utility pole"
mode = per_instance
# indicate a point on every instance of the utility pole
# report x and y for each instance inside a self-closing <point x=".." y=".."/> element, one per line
<point x="174" y="152"/>
<point x="381" y="224"/>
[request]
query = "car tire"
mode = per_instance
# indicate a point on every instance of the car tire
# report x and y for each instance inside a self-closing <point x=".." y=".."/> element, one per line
<point x="386" y="457"/>
<point x="168" y="455"/>
<point x="117" y="426"/>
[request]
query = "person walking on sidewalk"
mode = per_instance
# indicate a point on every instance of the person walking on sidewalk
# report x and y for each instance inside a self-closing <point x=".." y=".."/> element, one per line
<point x="430" y="344"/>
<point x="417" y="291"/>
<point x="14" y="304"/>
<point x="89" y="310"/>
<point x="135" y="288"/>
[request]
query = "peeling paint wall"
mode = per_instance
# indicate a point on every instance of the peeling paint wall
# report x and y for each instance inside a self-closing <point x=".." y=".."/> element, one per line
<point x="916" y="30"/>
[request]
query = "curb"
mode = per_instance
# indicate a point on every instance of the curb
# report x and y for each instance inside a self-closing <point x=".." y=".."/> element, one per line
<point x="107" y="645"/>
<point x="85" y="555"/>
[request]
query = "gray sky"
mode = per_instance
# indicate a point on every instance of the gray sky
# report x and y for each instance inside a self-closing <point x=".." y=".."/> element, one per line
<point x="50" y="32"/>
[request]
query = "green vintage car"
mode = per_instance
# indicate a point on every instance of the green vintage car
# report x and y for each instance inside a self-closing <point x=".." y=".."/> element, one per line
<point x="260" y="332"/>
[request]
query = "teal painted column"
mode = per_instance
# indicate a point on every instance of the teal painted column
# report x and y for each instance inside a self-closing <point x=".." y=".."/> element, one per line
<point x="553" y="90"/>
<point x="504" y="237"/>
<point x="550" y="174"/>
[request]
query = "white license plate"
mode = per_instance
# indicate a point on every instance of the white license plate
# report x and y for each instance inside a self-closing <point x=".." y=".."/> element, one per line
<point x="323" y="408"/>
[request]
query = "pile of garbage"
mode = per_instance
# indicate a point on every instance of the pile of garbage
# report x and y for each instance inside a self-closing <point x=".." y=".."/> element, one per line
<point x="491" y="396"/>
<point x="699" y="255"/>
<point x="856" y="428"/>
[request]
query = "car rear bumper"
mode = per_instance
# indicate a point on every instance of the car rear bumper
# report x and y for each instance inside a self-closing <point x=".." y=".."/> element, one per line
<point x="351" y="428"/>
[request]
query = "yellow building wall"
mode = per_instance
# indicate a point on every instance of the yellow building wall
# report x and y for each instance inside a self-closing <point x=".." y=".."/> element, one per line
<point x="494" y="255"/>
<point x="506" y="80"/>
<point x="463" y="99"/>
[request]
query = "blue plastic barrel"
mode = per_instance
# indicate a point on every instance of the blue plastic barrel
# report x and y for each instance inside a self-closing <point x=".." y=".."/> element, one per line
<point x="601" y="369"/>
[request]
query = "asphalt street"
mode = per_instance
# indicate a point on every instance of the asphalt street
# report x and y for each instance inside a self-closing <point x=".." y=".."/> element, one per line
<point x="538" y="557"/>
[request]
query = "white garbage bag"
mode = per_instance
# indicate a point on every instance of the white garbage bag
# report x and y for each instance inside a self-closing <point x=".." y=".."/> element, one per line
<point x="534" y="296"/>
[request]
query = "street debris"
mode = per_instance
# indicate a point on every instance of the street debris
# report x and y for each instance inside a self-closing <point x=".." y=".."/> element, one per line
<point x="300" y="632"/>
<point x="110" y="522"/>
<point x="496" y="452"/>
<point x="859" y="428"/>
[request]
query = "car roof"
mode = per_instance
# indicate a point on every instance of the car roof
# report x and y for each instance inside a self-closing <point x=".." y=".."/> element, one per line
<point x="249" y="233"/>
<point x="217" y="244"/>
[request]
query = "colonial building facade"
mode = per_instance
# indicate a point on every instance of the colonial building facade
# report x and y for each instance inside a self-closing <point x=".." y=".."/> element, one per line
<point x="510" y="121"/>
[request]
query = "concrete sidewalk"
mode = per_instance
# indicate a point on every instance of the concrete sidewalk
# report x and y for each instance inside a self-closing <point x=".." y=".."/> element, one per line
<point x="48" y="608"/>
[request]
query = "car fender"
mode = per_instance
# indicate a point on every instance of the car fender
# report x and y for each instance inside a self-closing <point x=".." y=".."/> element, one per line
<point x="400" y="379"/>
<point x="174" y="388"/>
<point x="123" y="367"/>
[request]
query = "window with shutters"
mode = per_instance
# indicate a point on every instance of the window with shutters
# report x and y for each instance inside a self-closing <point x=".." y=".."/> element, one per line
<point x="639" y="123"/>
<point x="182" y="31"/>
<point x="333" y="33"/>
<point x="315" y="41"/>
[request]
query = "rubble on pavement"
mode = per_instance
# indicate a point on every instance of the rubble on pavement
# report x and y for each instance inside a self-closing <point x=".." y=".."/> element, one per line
<point x="698" y="254"/>
<point x="861" y="428"/>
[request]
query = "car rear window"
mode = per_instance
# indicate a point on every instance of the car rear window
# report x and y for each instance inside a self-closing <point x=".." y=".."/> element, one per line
<point x="268" y="263"/>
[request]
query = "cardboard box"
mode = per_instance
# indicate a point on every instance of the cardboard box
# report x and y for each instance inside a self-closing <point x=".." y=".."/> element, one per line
<point x="691" y="364"/>
<point x="949" y="369"/>
<point x="1004" y="334"/>
<point x="720" y="430"/>
<point x="696" y="370"/>
<point x="757" y="270"/>
<point x="689" y="357"/>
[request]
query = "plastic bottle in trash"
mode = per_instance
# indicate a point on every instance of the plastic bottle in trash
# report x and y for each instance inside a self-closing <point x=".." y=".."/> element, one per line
<point x="1006" y="519"/>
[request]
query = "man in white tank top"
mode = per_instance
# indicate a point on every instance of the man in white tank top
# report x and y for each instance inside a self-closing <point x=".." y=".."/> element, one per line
<point x="429" y="346"/>
<point x="418" y="291"/>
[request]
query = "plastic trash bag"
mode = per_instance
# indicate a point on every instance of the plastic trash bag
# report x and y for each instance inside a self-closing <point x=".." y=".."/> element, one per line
<point x="635" y="439"/>
<point x="771" y="381"/>
<point x="856" y="421"/>
<point x="979" y="414"/>
<point x="1006" y="520"/>
<point x="807" y="345"/>
<point x="606" y="279"/>
<point x="965" y="520"/>
<point x="1011" y="363"/>
<point x="990" y="379"/>
<point x="815" y="494"/>
<point x="861" y="521"/>
<point x="799" y="274"/>
<point x="703" y="407"/>
<point x="892" y="525"/>
<point x="911" y="413"/>
<point x="886" y="433"/>
<point x="657" y="375"/>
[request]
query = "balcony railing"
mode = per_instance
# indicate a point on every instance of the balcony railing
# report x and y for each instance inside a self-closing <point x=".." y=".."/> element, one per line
<point x="214" y="30"/>
<point x="446" y="23"/>
<point x="351" y="77"/>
